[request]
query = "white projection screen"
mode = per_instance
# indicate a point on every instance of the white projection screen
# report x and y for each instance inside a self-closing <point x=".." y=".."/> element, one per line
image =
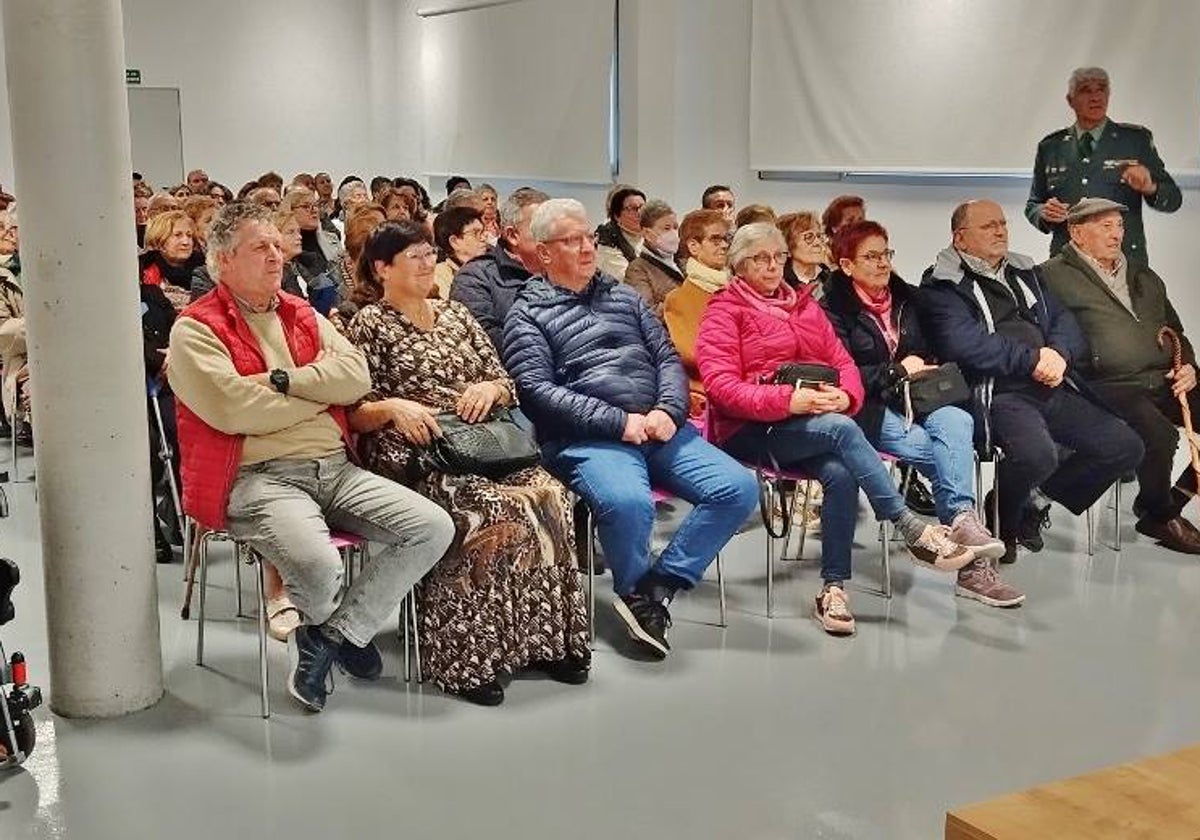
<point x="502" y="100"/>
<point x="961" y="85"/>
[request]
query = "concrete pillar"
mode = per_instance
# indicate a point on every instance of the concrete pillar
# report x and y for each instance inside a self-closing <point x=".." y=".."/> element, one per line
<point x="70" y="127"/>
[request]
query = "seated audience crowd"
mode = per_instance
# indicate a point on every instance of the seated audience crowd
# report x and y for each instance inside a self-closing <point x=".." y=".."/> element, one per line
<point x="327" y="359"/>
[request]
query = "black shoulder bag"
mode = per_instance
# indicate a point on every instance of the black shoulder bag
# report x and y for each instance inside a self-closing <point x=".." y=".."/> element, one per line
<point x="492" y="448"/>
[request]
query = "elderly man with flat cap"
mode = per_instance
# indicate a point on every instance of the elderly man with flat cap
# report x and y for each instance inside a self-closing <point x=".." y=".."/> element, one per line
<point x="1121" y="305"/>
<point x="1097" y="157"/>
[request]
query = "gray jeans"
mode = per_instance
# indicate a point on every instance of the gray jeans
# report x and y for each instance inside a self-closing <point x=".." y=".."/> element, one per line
<point x="283" y="509"/>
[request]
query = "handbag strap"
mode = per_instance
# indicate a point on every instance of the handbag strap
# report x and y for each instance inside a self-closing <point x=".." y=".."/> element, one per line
<point x="769" y="487"/>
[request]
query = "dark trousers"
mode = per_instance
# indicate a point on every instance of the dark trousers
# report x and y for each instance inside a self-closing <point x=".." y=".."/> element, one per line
<point x="1154" y="414"/>
<point x="1031" y="431"/>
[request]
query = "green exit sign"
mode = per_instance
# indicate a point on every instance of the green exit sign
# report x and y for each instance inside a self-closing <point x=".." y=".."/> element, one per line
<point x="133" y="77"/>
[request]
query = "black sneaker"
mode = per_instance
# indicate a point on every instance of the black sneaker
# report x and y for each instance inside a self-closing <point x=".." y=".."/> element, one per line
<point x="1010" y="552"/>
<point x="363" y="663"/>
<point x="647" y="622"/>
<point x="311" y="656"/>
<point x="568" y="670"/>
<point x="1034" y="520"/>
<point x="918" y="496"/>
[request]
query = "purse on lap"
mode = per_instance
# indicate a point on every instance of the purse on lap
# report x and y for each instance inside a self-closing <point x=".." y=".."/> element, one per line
<point x="492" y="448"/>
<point x="920" y="394"/>
<point x="806" y="375"/>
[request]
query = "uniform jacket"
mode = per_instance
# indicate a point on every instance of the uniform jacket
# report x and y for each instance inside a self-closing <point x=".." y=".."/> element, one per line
<point x="584" y="360"/>
<point x="1059" y="172"/>
<point x="1123" y="345"/>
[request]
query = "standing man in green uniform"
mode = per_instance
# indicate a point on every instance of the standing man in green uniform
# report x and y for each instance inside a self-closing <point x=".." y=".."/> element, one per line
<point x="1099" y="158"/>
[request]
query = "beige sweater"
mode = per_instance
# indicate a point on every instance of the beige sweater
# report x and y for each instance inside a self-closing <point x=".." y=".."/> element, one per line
<point x="203" y="377"/>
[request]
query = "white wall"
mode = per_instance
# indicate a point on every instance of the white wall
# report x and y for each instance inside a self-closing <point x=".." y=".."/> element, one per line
<point x="687" y="125"/>
<point x="305" y="85"/>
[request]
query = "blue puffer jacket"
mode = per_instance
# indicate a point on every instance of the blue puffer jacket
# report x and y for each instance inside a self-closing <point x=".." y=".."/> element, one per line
<point x="583" y="360"/>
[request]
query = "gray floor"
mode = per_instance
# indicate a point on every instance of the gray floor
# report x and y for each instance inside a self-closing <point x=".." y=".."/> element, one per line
<point x="763" y="730"/>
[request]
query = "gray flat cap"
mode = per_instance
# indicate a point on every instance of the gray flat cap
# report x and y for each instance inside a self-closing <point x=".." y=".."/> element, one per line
<point x="1085" y="208"/>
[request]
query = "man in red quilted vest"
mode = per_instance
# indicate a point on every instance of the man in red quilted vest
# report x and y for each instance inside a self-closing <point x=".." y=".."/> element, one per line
<point x="261" y="381"/>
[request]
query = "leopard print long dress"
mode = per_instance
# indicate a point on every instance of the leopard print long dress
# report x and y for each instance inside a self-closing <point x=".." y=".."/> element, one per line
<point x="507" y="592"/>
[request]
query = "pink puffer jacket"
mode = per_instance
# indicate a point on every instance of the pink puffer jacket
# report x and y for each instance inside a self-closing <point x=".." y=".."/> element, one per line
<point x="739" y="348"/>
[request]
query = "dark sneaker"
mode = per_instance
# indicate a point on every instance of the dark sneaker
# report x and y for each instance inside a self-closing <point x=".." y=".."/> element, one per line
<point x="1010" y="553"/>
<point x="568" y="670"/>
<point x="311" y="657"/>
<point x="486" y="694"/>
<point x="647" y="622"/>
<point x="966" y="529"/>
<point x="981" y="581"/>
<point x="918" y="496"/>
<point x="363" y="663"/>
<point x="1176" y="534"/>
<point x="1034" y="519"/>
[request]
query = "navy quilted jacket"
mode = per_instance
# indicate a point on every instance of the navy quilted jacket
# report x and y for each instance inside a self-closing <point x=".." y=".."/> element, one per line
<point x="583" y="360"/>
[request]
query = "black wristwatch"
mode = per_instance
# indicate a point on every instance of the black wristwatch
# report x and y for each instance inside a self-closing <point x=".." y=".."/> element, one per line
<point x="280" y="381"/>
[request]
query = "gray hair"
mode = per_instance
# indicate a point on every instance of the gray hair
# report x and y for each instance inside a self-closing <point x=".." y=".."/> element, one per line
<point x="1086" y="74"/>
<point x="748" y="236"/>
<point x="522" y="197"/>
<point x="225" y="233"/>
<point x="550" y="213"/>
<point x="344" y="189"/>
<point x="461" y="197"/>
<point x="652" y="211"/>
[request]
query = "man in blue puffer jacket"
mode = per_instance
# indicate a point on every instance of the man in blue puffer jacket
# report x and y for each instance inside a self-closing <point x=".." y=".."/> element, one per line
<point x="599" y="377"/>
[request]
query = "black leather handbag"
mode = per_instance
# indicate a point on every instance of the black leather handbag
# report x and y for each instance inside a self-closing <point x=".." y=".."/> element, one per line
<point x="492" y="448"/>
<point x="800" y="375"/>
<point x="923" y="393"/>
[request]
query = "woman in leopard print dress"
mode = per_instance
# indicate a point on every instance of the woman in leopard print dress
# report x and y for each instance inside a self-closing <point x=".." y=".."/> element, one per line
<point x="506" y="596"/>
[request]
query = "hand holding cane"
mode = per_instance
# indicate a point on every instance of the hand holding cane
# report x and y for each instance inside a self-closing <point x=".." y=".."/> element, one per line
<point x="1166" y="335"/>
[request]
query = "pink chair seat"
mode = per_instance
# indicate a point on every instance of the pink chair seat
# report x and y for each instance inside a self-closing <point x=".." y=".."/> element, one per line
<point x="344" y="539"/>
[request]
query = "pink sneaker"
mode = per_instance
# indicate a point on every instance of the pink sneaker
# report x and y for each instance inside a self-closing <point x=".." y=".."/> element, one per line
<point x="833" y="611"/>
<point x="981" y="581"/>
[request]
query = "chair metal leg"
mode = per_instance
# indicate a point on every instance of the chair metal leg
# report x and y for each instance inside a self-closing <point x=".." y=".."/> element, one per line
<point x="770" y="577"/>
<point x="804" y="517"/>
<point x="261" y="589"/>
<point x="1090" y="524"/>
<point x="979" y="488"/>
<point x="237" y="578"/>
<point x="403" y="635"/>
<point x="589" y="555"/>
<point x="790" y="512"/>
<point x="415" y="627"/>
<point x="187" y="544"/>
<point x="1117" y="516"/>
<point x="721" y="590"/>
<point x="203" y="561"/>
<point x="885" y="544"/>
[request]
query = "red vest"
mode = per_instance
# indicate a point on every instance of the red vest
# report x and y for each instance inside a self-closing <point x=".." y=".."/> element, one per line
<point x="209" y="458"/>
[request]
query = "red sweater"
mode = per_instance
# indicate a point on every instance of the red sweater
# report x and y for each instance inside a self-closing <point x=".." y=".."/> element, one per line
<point x="209" y="459"/>
<point x="740" y="347"/>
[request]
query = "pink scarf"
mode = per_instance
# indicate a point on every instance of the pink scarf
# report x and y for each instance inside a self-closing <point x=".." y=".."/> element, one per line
<point x="780" y="305"/>
<point x="881" y="308"/>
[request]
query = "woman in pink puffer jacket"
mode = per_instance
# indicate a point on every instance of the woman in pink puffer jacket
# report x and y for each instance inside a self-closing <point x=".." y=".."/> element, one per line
<point x="749" y="330"/>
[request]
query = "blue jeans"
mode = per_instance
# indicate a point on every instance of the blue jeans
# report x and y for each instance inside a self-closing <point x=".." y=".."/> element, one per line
<point x="833" y="449"/>
<point x="614" y="478"/>
<point x="941" y="447"/>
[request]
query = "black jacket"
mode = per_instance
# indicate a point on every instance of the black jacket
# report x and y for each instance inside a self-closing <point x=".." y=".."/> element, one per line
<point x="487" y="286"/>
<point x="860" y="333"/>
<point x="958" y="328"/>
<point x="583" y="360"/>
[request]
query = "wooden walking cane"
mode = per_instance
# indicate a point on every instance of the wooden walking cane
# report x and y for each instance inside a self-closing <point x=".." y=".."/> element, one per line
<point x="1167" y="335"/>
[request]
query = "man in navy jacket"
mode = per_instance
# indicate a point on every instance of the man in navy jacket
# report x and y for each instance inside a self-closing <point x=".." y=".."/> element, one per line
<point x="988" y="310"/>
<point x="597" y="374"/>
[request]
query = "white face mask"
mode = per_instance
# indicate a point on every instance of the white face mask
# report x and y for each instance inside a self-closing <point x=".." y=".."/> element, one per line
<point x="667" y="242"/>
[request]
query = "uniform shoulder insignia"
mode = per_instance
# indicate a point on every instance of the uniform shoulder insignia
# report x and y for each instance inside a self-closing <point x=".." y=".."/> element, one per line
<point x="1053" y="136"/>
<point x="1133" y="127"/>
